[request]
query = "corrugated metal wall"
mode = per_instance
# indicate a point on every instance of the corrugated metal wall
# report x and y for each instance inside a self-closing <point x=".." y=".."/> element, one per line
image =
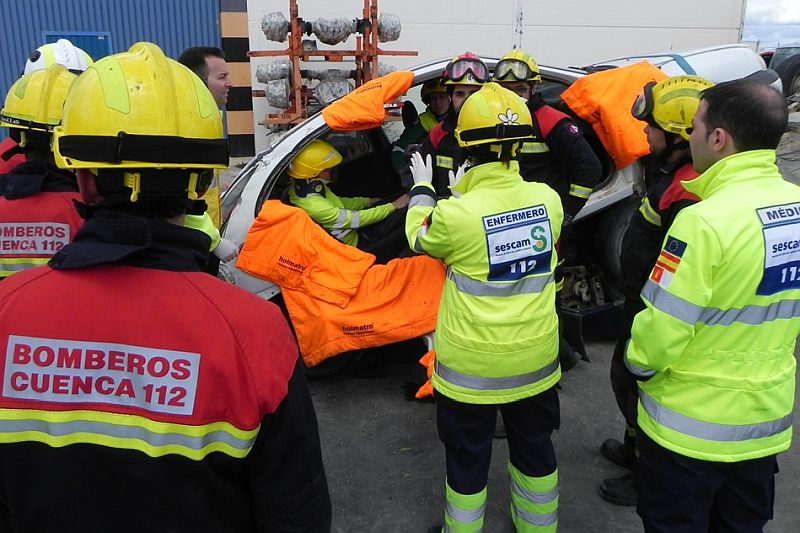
<point x="172" y="24"/>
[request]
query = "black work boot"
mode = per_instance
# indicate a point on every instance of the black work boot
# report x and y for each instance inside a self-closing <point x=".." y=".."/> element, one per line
<point x="621" y="491"/>
<point x="617" y="453"/>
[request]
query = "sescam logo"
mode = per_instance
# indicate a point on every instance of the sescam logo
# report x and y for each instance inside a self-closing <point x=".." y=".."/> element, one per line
<point x="64" y="371"/>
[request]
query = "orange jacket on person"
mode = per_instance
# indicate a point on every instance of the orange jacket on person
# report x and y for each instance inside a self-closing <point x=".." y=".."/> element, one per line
<point x="337" y="298"/>
<point x="604" y="100"/>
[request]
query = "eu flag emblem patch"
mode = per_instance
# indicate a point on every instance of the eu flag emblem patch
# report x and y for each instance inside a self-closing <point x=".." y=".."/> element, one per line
<point x="668" y="261"/>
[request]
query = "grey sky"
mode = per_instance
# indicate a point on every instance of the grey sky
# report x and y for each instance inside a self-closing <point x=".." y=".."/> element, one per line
<point x="772" y="21"/>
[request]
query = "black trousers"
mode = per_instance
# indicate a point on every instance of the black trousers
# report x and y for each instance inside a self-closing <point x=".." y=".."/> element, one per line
<point x="622" y="383"/>
<point x="386" y="239"/>
<point x="678" y="494"/>
<point x="466" y="430"/>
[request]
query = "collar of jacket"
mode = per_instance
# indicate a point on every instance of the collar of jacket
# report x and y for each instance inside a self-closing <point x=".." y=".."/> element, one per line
<point x="32" y="177"/>
<point x="115" y="238"/>
<point x="486" y="174"/>
<point x="736" y="168"/>
<point x="535" y="102"/>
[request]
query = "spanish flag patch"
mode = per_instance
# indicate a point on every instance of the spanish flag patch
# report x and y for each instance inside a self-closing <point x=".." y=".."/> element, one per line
<point x="668" y="261"/>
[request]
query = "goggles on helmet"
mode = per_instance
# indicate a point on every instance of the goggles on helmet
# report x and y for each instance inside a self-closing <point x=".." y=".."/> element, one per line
<point x="643" y="106"/>
<point x="460" y="68"/>
<point x="513" y="70"/>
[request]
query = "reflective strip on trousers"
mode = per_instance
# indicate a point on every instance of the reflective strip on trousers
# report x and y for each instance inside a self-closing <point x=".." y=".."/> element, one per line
<point x="534" y="497"/>
<point x="580" y="191"/>
<point x="153" y="438"/>
<point x="533" y="148"/>
<point x="493" y="384"/>
<point x="474" y="287"/>
<point x="464" y="515"/>
<point x="648" y="213"/>
<point x="709" y="430"/>
<point x="692" y="314"/>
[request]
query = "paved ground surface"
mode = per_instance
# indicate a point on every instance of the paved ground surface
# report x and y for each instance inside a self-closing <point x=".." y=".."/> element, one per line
<point x="385" y="463"/>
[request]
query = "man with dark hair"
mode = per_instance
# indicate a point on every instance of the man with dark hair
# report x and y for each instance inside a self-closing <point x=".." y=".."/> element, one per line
<point x="713" y="352"/>
<point x="209" y="64"/>
<point x="177" y="400"/>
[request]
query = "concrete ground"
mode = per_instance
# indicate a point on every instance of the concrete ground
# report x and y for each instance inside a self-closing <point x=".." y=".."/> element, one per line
<point x="385" y="463"/>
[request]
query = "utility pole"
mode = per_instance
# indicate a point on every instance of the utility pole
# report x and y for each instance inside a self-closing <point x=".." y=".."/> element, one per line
<point x="518" y="27"/>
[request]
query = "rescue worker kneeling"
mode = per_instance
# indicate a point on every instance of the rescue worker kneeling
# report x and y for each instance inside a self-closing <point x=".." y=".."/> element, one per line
<point x="357" y="221"/>
<point x="497" y="331"/>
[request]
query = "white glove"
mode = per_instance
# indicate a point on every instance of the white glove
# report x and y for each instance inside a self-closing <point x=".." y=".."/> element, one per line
<point x="421" y="170"/>
<point x="226" y="250"/>
<point x="455" y="178"/>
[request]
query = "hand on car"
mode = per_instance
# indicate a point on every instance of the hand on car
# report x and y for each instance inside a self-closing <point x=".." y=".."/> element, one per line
<point x="421" y="170"/>
<point x="402" y="201"/>
<point x="226" y="250"/>
<point x="455" y="178"/>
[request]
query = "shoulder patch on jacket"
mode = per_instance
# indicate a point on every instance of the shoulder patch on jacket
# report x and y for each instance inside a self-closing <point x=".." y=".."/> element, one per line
<point x="436" y="135"/>
<point x="675" y="191"/>
<point x="548" y="117"/>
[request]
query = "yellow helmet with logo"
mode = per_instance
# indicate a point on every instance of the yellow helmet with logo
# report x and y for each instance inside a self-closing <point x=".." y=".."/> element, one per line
<point x="317" y="156"/>
<point x="61" y="52"/>
<point x="491" y="115"/>
<point x="517" y="66"/>
<point x="140" y="109"/>
<point x="671" y="104"/>
<point x="36" y="101"/>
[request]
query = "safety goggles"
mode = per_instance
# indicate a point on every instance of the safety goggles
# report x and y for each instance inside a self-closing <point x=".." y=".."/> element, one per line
<point x="461" y="68"/>
<point x="513" y="70"/>
<point x="643" y="106"/>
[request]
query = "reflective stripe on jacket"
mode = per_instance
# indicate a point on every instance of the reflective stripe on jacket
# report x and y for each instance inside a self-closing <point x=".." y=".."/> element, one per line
<point x="341" y="217"/>
<point x="497" y="331"/>
<point x="715" y="345"/>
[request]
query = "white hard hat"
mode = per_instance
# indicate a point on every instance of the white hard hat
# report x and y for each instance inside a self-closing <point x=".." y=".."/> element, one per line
<point x="62" y="52"/>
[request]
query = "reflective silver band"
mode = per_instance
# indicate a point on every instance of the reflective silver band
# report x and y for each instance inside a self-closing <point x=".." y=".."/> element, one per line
<point x="694" y="314"/>
<point x="648" y="213"/>
<point x="530" y="285"/>
<point x="465" y="516"/>
<point x="540" y="520"/>
<point x="444" y="161"/>
<point x="636" y="370"/>
<point x="355" y="219"/>
<point x="539" y="498"/>
<point x="422" y="200"/>
<point x="341" y="219"/>
<point x="418" y="245"/>
<point x="709" y="430"/>
<point x="580" y="191"/>
<point x="6" y="269"/>
<point x="493" y="384"/>
<point x="105" y="429"/>
<point x="533" y="148"/>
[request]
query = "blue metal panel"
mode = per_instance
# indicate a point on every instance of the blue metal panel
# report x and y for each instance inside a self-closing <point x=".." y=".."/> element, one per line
<point x="172" y="24"/>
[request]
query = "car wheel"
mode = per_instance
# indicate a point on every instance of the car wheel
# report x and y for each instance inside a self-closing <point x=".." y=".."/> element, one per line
<point x="789" y="71"/>
<point x="611" y="230"/>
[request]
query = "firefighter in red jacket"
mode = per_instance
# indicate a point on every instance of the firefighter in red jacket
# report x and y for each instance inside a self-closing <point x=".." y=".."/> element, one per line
<point x="37" y="215"/>
<point x="667" y="108"/>
<point x="558" y="154"/>
<point x="462" y="77"/>
<point x="140" y="394"/>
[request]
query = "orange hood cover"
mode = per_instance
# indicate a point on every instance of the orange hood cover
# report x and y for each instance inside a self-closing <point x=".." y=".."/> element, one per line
<point x="363" y="108"/>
